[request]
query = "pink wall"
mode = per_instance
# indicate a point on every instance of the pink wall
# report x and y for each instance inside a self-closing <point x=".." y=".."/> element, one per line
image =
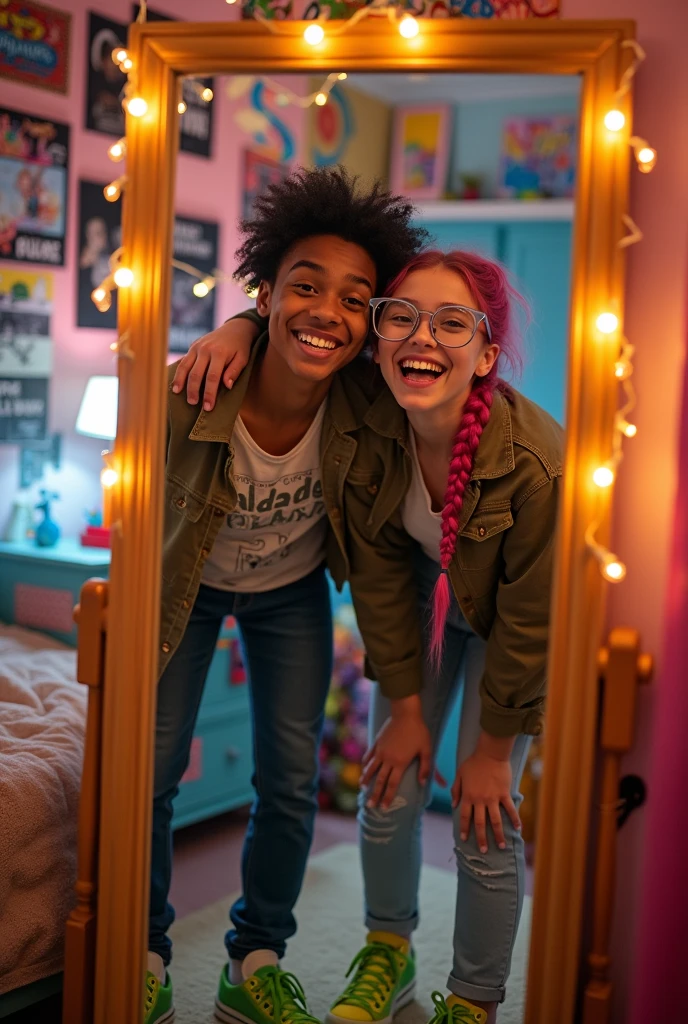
<point x="655" y="323"/>
<point x="208" y="189"/>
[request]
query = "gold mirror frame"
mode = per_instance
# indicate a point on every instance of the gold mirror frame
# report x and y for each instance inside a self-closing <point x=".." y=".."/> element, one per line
<point x="162" y="52"/>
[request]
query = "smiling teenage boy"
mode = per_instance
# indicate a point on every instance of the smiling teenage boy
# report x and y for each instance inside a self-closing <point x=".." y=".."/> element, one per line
<point x="253" y="513"/>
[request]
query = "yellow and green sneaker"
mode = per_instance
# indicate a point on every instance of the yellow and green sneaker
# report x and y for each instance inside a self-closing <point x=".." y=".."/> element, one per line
<point x="383" y="980"/>
<point x="455" y="1010"/>
<point x="157" y="1000"/>
<point x="270" y="996"/>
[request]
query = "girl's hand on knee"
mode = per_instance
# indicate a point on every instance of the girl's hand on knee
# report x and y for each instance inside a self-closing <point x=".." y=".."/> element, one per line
<point x="218" y="356"/>
<point x="481" y="788"/>
<point x="401" y="740"/>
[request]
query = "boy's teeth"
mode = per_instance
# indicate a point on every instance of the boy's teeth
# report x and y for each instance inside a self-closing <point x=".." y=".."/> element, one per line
<point x="312" y="339"/>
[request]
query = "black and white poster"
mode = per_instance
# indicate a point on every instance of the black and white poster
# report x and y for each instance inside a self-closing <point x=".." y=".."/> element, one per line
<point x="195" y="242"/>
<point x="26" y="301"/>
<point x="100" y="233"/>
<point x="104" y="112"/>
<point x="34" y="158"/>
<point x="197" y="120"/>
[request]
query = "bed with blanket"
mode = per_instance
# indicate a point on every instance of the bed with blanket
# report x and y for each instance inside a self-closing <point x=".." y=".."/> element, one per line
<point x="42" y="725"/>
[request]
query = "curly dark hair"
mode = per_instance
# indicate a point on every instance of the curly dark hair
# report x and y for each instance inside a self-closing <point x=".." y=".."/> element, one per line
<point x="327" y="201"/>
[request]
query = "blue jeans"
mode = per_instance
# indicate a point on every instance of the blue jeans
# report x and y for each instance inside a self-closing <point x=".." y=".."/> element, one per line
<point x="286" y="637"/>
<point x="490" y="886"/>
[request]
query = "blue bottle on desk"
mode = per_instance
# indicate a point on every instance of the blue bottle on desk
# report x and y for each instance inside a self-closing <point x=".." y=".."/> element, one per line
<point x="47" y="531"/>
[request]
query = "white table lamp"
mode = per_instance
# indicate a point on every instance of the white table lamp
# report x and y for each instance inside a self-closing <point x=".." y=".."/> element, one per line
<point x="98" y="418"/>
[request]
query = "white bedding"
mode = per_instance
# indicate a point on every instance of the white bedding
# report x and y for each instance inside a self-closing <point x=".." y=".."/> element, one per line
<point x="42" y="722"/>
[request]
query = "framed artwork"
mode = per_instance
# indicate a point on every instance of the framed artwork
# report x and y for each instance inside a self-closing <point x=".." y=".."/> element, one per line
<point x="34" y="156"/>
<point x="191" y="316"/>
<point x="105" y="81"/>
<point x="259" y="172"/>
<point x="420" y="151"/>
<point x="34" y="44"/>
<point x="26" y="354"/>
<point x="538" y="157"/>
<point x="100" y="233"/>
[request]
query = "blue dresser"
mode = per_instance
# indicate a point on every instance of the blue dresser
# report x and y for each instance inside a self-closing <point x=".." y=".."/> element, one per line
<point x="39" y="588"/>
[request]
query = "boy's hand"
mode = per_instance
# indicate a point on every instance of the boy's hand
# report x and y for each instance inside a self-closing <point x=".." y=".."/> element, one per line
<point x="218" y="356"/>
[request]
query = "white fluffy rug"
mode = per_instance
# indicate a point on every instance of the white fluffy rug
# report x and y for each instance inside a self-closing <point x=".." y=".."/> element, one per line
<point x="329" y="914"/>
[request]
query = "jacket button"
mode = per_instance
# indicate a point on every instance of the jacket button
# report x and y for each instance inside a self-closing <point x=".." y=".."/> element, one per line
<point x="482" y="531"/>
<point x="166" y="648"/>
<point x="181" y="502"/>
<point x="337" y="460"/>
<point x="219" y="512"/>
<point x="185" y="603"/>
<point x="372" y="489"/>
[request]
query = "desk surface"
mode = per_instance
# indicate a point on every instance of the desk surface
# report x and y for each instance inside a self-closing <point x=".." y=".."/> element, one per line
<point x="66" y="550"/>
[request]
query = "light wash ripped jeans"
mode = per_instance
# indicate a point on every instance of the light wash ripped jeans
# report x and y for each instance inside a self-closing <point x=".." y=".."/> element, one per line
<point x="490" y="886"/>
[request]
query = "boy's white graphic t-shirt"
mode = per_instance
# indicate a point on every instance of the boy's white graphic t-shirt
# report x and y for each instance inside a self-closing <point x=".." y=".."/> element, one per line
<point x="276" y="534"/>
<point x="417" y="516"/>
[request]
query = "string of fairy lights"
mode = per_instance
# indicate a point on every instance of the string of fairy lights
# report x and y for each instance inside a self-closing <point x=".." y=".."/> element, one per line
<point x="607" y="322"/>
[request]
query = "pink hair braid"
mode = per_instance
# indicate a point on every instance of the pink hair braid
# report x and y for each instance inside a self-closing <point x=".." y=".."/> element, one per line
<point x="476" y="413"/>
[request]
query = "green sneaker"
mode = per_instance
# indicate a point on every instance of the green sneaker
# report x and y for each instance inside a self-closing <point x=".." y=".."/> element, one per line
<point x="456" y="1011"/>
<point x="270" y="996"/>
<point x="384" y="980"/>
<point x="157" y="1002"/>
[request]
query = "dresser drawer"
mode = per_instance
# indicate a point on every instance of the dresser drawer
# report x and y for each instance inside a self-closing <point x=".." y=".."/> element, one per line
<point x="220" y="768"/>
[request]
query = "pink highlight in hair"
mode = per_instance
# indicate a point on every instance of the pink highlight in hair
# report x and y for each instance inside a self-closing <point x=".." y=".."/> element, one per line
<point x="494" y="295"/>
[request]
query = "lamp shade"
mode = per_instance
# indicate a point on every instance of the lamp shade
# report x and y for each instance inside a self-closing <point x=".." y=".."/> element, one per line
<point x="98" y="413"/>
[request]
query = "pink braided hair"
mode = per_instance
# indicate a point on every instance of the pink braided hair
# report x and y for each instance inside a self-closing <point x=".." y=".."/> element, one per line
<point x="495" y="296"/>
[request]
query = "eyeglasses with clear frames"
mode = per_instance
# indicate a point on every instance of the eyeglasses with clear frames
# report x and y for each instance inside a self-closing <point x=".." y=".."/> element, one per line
<point x="450" y="326"/>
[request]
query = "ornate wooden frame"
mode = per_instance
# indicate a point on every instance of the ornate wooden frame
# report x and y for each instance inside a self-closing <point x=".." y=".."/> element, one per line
<point x="163" y="52"/>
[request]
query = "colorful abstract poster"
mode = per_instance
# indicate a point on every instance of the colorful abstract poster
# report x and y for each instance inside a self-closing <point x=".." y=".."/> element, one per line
<point x="34" y="44"/>
<point x="105" y="82"/>
<point x="26" y="303"/>
<point x="196" y="123"/>
<point x="195" y="243"/>
<point x="342" y="9"/>
<point x="100" y="233"/>
<point x="259" y="173"/>
<point x="34" y="156"/>
<point x="420" y="151"/>
<point x="538" y="157"/>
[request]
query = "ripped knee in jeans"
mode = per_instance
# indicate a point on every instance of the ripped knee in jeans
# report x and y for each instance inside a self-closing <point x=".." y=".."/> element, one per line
<point x="480" y="868"/>
<point x="379" y="825"/>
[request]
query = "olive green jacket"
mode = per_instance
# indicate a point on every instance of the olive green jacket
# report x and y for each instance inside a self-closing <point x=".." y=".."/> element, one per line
<point x="200" y="492"/>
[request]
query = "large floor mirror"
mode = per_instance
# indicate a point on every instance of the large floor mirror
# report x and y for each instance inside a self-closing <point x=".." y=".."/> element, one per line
<point x="495" y="134"/>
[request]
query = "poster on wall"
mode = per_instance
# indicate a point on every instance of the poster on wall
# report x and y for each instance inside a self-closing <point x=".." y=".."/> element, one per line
<point x="34" y="157"/>
<point x="34" y="44"/>
<point x="100" y="233"/>
<point x="343" y="9"/>
<point x="196" y="123"/>
<point x="195" y="243"/>
<point x="259" y="173"/>
<point x="26" y="299"/>
<point x="420" y="151"/>
<point x="105" y="81"/>
<point x="538" y="157"/>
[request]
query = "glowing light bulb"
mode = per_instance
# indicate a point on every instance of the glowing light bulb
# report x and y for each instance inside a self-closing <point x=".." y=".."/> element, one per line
<point x="126" y="65"/>
<point x="207" y="95"/>
<point x="622" y="369"/>
<point x="230" y="1"/>
<point x="137" y="106"/>
<point x="321" y="99"/>
<point x="109" y="477"/>
<point x="119" y="55"/>
<point x="314" y="34"/>
<point x="113" y="191"/>
<point x="124" y="277"/>
<point x="98" y="294"/>
<point x="343" y="76"/>
<point x="409" y="27"/>
<point x="200" y="289"/>
<point x="607" y="323"/>
<point x="251" y="292"/>
<point x="604" y="476"/>
<point x="647" y="158"/>
<point x="181" y="107"/>
<point x="614" y="120"/>
<point x="117" y="150"/>
<point x="613" y="570"/>
<point x="629" y="429"/>
<point x="101" y="298"/>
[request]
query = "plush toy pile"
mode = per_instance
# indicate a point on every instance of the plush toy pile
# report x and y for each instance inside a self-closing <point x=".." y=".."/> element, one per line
<point x="345" y="736"/>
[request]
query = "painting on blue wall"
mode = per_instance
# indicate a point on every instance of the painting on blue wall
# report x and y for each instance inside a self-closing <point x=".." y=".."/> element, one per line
<point x="538" y="157"/>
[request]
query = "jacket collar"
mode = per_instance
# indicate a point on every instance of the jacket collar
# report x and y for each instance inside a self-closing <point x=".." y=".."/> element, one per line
<point x="218" y="424"/>
<point x="495" y="455"/>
